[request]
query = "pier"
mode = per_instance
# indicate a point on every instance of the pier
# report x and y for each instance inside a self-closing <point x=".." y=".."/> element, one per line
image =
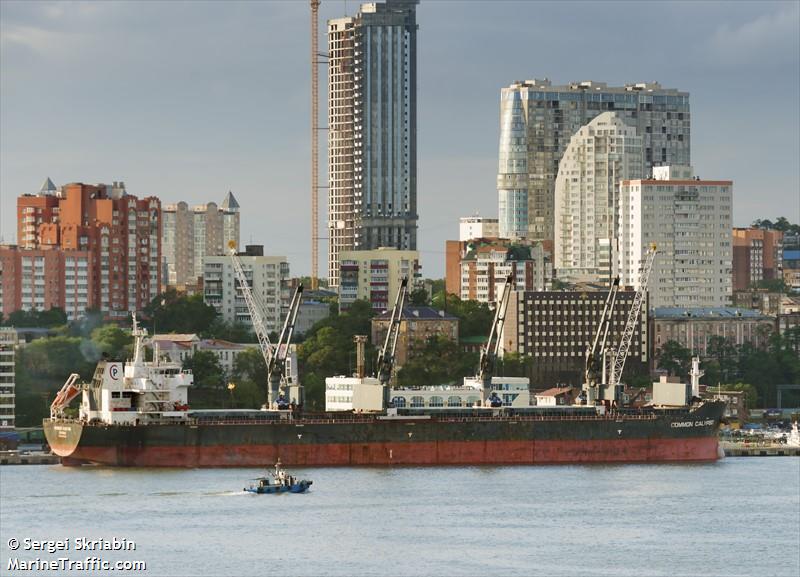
<point x="759" y="450"/>
<point x="17" y="458"/>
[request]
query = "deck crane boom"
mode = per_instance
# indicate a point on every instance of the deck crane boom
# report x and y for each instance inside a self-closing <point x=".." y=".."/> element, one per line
<point x="491" y="349"/>
<point x="386" y="354"/>
<point x="595" y="357"/>
<point x="618" y="362"/>
<point x="277" y="368"/>
<point x="274" y="357"/>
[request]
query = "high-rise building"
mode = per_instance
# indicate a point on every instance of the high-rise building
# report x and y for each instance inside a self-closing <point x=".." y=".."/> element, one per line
<point x="372" y="136"/>
<point x="757" y="256"/>
<point x="470" y="227"/>
<point x="537" y="121"/>
<point x="375" y="275"/>
<point x="689" y="221"/>
<point x="266" y="276"/>
<point x="191" y="234"/>
<point x="120" y="232"/>
<point x="8" y="343"/>
<point x="598" y="156"/>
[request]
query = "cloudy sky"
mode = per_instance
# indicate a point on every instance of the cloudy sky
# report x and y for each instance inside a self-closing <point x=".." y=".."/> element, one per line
<point x="187" y="100"/>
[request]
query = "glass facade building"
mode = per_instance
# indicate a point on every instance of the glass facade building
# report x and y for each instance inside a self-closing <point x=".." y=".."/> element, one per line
<point x="372" y="146"/>
<point x="546" y="117"/>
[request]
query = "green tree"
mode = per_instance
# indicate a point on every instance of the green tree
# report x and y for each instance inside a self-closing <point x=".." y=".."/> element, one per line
<point x="514" y="365"/>
<point x="418" y="297"/>
<point x="750" y="393"/>
<point x="723" y="357"/>
<point x="113" y="342"/>
<point x="234" y="332"/>
<point x="55" y="317"/>
<point x="173" y="312"/>
<point x="475" y="318"/>
<point x="435" y="362"/>
<point x="675" y="359"/>
<point x="207" y="371"/>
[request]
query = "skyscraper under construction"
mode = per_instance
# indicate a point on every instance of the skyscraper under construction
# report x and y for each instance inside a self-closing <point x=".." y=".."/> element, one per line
<point x="372" y="138"/>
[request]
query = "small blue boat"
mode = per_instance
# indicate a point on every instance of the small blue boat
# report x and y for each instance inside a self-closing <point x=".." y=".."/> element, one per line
<point x="278" y="482"/>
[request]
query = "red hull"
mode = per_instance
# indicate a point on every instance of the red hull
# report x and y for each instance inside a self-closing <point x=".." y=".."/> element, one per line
<point x="426" y="453"/>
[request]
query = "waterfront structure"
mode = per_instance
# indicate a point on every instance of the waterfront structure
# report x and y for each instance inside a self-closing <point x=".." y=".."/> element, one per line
<point x="372" y="136"/>
<point x="757" y="256"/>
<point x="110" y="240"/>
<point x="537" y="120"/>
<point x="485" y="265"/>
<point x="189" y="234"/>
<point x="375" y="275"/>
<point x="693" y="327"/>
<point x="598" y="157"/>
<point x="689" y="221"/>
<point x="556" y="328"/>
<point x="266" y="276"/>
<point x="472" y="227"/>
<point x="8" y="344"/>
<point x="418" y="324"/>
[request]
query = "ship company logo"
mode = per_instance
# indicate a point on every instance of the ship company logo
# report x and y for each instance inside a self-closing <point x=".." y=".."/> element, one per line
<point x="113" y="372"/>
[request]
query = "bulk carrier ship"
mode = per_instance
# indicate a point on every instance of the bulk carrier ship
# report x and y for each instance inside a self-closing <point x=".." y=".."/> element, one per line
<point x="136" y="414"/>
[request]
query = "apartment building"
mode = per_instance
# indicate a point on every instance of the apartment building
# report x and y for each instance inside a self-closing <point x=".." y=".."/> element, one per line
<point x="111" y="245"/>
<point x="372" y="136"/>
<point x="266" y="276"/>
<point x="689" y="221"/>
<point x="537" y="121"/>
<point x="192" y="233"/>
<point x="375" y="276"/>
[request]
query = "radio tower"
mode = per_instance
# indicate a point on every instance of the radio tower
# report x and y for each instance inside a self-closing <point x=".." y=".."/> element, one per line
<point x="314" y="144"/>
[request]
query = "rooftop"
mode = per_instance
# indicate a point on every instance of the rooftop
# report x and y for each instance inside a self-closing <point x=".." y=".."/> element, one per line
<point x="706" y="313"/>
<point x="414" y="312"/>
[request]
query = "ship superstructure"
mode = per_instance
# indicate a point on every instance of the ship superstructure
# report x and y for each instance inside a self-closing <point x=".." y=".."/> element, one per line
<point x="133" y="392"/>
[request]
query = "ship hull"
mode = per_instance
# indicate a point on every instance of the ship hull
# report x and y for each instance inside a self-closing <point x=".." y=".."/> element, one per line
<point x="691" y="436"/>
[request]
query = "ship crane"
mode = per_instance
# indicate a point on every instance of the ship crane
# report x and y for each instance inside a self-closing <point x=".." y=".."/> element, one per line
<point x="274" y="355"/>
<point x="491" y="349"/>
<point x="596" y="356"/>
<point x="386" y="354"/>
<point x="618" y="361"/>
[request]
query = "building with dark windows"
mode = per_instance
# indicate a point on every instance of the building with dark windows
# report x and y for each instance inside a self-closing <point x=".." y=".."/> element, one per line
<point x="372" y="137"/>
<point x="556" y="328"/>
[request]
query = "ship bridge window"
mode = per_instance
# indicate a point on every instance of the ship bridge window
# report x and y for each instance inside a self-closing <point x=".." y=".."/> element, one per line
<point x="417" y="401"/>
<point x="436" y="402"/>
<point x="115" y="394"/>
<point x="399" y="402"/>
<point x="453" y="401"/>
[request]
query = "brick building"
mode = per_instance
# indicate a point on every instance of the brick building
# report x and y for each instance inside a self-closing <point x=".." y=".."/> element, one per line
<point x="109" y="244"/>
<point x="757" y="255"/>
<point x="477" y="268"/>
<point x="417" y="325"/>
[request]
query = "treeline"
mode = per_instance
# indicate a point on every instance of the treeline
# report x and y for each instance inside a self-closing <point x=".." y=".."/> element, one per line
<point x="756" y="370"/>
<point x="781" y="224"/>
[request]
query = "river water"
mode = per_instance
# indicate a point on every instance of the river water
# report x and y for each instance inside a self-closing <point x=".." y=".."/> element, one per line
<point x="739" y="516"/>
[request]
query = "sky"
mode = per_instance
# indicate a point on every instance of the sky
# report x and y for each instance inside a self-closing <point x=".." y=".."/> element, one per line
<point x="187" y="100"/>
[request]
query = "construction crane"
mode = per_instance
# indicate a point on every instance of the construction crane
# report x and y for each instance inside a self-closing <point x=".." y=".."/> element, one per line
<point x="491" y="349"/>
<point x="386" y="354"/>
<point x="314" y="143"/>
<point x="618" y="362"/>
<point x="595" y="357"/>
<point x="274" y="356"/>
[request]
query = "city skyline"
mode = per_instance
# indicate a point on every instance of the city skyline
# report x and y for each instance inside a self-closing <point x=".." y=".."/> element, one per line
<point x="104" y="92"/>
